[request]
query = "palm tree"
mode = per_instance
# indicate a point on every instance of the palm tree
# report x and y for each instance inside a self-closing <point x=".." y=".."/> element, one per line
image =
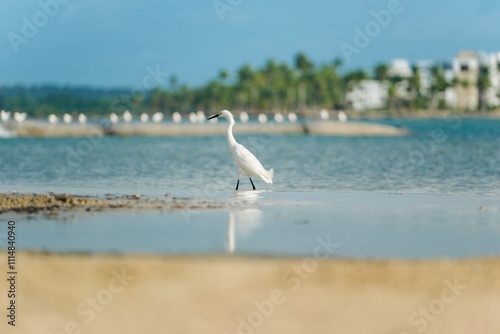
<point x="354" y="77"/>
<point x="483" y="83"/>
<point x="415" y="89"/>
<point x="337" y="63"/>
<point x="381" y="72"/>
<point x="392" y="96"/>
<point x="396" y="97"/>
<point x="439" y="85"/>
<point x="223" y="75"/>
<point x="155" y="99"/>
<point x="286" y="86"/>
<point x="327" y="91"/>
<point x="223" y="92"/>
<point x="272" y="80"/>
<point x="173" y="82"/>
<point x="304" y="66"/>
<point x="245" y="85"/>
<point x="336" y="89"/>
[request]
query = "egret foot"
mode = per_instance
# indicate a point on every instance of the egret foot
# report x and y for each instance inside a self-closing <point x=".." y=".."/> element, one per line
<point x="252" y="183"/>
<point x="237" y="184"/>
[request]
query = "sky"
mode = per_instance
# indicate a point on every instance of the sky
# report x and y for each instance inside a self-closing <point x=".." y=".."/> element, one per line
<point x="132" y="43"/>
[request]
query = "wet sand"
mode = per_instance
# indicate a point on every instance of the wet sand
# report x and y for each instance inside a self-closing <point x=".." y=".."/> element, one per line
<point x="230" y="294"/>
<point x="55" y="203"/>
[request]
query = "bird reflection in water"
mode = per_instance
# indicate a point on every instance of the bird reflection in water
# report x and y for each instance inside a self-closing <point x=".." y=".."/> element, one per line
<point x="244" y="218"/>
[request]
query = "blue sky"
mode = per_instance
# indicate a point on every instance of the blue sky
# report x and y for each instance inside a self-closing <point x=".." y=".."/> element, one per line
<point x="113" y="42"/>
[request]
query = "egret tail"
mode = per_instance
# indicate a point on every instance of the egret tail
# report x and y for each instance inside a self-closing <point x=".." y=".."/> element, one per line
<point x="268" y="176"/>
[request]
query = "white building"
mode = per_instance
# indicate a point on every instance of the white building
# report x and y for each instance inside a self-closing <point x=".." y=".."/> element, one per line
<point x="400" y="68"/>
<point x="448" y="72"/>
<point x="465" y="71"/>
<point x="491" y="61"/>
<point x="368" y="94"/>
<point x="450" y="97"/>
<point x="461" y="71"/>
<point x="424" y="67"/>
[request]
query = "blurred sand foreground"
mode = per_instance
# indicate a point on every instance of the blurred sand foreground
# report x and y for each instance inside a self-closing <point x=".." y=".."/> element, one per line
<point x="233" y="294"/>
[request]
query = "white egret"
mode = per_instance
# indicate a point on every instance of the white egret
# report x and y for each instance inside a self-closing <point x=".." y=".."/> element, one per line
<point x="127" y="116"/>
<point x="201" y="116"/>
<point x="262" y="118"/>
<point x="278" y="118"/>
<point x="144" y="117"/>
<point x="192" y="117"/>
<point x="113" y="118"/>
<point x="292" y="117"/>
<point x="176" y="117"/>
<point x="342" y="116"/>
<point x="157" y="117"/>
<point x="67" y="118"/>
<point x="4" y="115"/>
<point x="247" y="163"/>
<point x="82" y="119"/>
<point x="20" y="116"/>
<point x="52" y="119"/>
<point x="324" y="114"/>
<point x="244" y="117"/>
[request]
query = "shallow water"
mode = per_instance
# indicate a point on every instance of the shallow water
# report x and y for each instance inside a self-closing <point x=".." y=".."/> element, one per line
<point x="441" y="157"/>
<point x="432" y="194"/>
<point x="364" y="225"/>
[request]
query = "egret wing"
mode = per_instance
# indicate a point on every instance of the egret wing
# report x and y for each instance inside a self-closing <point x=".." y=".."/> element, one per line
<point x="247" y="161"/>
<point x="249" y="164"/>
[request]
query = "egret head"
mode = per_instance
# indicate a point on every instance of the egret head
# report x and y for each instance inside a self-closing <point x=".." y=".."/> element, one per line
<point x="223" y="113"/>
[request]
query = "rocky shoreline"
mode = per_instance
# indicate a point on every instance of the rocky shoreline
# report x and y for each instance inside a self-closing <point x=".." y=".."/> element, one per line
<point x="326" y="128"/>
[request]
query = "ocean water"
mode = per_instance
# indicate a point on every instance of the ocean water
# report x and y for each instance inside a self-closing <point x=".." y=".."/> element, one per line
<point x="431" y="194"/>
<point x="441" y="156"/>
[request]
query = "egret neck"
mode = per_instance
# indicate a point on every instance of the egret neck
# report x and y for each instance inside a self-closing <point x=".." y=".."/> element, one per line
<point x="231" y="142"/>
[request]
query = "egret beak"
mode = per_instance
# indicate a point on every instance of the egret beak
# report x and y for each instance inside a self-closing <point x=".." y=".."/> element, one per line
<point x="213" y="116"/>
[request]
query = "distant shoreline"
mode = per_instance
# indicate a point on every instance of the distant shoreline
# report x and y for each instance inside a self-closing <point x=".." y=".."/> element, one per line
<point x="430" y="114"/>
<point x="31" y="128"/>
<point x="310" y="124"/>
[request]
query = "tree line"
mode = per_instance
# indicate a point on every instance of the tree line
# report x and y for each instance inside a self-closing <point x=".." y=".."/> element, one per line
<point x="273" y="86"/>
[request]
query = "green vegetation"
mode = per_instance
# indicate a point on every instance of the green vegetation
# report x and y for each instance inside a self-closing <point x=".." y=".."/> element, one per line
<point x="274" y="86"/>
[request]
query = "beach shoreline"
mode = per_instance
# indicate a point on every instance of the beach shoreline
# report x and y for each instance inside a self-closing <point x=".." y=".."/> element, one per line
<point x="52" y="204"/>
<point x="37" y="129"/>
<point x="361" y="124"/>
<point x="363" y="225"/>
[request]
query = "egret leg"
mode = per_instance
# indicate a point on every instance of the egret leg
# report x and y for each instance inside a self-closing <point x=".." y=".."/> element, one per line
<point x="252" y="183"/>
<point x="237" y="184"/>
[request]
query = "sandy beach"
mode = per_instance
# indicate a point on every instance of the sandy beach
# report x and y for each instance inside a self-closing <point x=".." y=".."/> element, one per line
<point x="227" y="294"/>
